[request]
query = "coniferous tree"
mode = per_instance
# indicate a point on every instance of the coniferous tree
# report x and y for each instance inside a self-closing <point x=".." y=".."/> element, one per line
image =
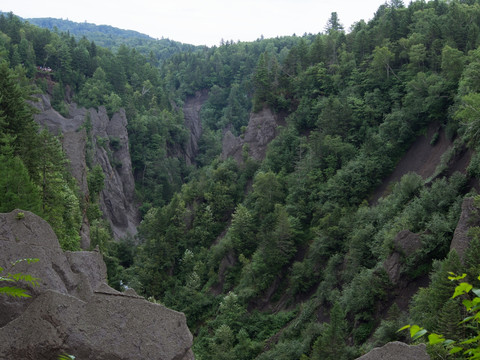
<point x="16" y="116"/>
<point x="333" y="23"/>
<point x="17" y="191"/>
<point x="331" y="344"/>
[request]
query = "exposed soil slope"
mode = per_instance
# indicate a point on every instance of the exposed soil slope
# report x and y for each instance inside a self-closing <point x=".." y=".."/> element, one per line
<point x="422" y="158"/>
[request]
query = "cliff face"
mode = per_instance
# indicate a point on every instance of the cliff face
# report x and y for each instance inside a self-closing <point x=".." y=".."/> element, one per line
<point x="261" y="129"/>
<point x="110" y="151"/>
<point x="191" y="113"/>
<point x="73" y="310"/>
<point x="468" y="218"/>
<point x="117" y="198"/>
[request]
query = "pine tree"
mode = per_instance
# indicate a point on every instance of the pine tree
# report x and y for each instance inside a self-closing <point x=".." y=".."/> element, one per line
<point x="262" y="83"/>
<point x="331" y="344"/>
<point x="449" y="319"/>
<point x="16" y="120"/>
<point x="471" y="260"/>
<point x="428" y="302"/>
<point x="333" y="23"/>
<point x="17" y="191"/>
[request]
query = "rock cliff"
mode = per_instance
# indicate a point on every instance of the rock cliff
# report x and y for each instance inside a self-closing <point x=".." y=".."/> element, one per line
<point x="73" y="310"/>
<point x="406" y="243"/>
<point x="468" y="218"/>
<point x="261" y="129"/>
<point x="191" y="113"/>
<point x="110" y="150"/>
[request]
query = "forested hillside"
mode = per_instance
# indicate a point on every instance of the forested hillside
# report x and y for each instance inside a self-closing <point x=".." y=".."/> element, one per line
<point x="112" y="38"/>
<point x="307" y="253"/>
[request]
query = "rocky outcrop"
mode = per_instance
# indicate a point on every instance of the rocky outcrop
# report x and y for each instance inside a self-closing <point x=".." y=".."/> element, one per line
<point x="73" y="310"/>
<point x="468" y="218"/>
<point x="261" y="130"/>
<point x="397" y="351"/>
<point x="117" y="198"/>
<point x="191" y="113"/>
<point x="110" y="150"/>
<point x="405" y="244"/>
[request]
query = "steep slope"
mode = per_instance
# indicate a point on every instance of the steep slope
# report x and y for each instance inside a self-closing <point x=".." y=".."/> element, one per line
<point x="424" y="158"/>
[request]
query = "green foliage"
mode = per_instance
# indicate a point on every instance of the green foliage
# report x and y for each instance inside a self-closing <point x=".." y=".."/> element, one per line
<point x="158" y="175"/>
<point x="388" y="329"/>
<point x="96" y="182"/>
<point x="474" y="167"/>
<point x="428" y="302"/>
<point x="221" y="241"/>
<point x="465" y="342"/>
<point x="13" y="290"/>
<point x="452" y="64"/>
<point x="331" y="344"/>
<point x="468" y="114"/>
<point x="17" y="190"/>
<point x="58" y="99"/>
<point x="66" y="357"/>
<point x="17" y="128"/>
<point x="274" y="252"/>
<point x="112" y="102"/>
<point x="42" y="183"/>
<point x="360" y="297"/>
<point x="113" y="38"/>
<point x="242" y="231"/>
<point x="95" y="90"/>
<point x="60" y="203"/>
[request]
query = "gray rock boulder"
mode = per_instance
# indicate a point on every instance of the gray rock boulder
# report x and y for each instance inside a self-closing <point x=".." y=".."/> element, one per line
<point x="397" y="351"/>
<point x="73" y="310"/>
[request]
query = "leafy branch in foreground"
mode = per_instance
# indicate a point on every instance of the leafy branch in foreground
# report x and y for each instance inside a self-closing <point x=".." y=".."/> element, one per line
<point x="10" y="277"/>
<point x="470" y="346"/>
<point x="66" y="357"/>
<point x="18" y="292"/>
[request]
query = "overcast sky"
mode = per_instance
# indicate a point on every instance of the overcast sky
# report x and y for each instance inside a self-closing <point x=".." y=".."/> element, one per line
<point x="202" y="22"/>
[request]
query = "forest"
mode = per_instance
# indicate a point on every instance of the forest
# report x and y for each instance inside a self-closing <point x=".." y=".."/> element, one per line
<point x="281" y="258"/>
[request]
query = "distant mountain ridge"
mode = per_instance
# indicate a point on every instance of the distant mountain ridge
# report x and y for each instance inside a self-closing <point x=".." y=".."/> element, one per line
<point x="76" y="28"/>
<point x="112" y="37"/>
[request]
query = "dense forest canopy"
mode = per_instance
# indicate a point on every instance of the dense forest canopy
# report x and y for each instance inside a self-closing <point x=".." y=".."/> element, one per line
<point x="281" y="258"/>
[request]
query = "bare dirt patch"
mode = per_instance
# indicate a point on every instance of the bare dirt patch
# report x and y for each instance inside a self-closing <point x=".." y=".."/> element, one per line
<point x="422" y="158"/>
